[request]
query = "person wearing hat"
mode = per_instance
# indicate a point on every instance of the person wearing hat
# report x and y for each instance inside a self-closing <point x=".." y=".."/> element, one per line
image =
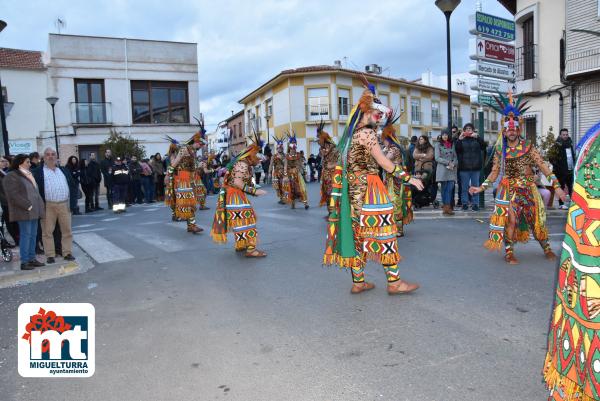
<point x="234" y="212"/>
<point x="329" y="156"/>
<point x="293" y="170"/>
<point x="182" y="193"/>
<point x="361" y="225"/>
<point x="400" y="193"/>
<point x="518" y="207"/>
<point x="277" y="168"/>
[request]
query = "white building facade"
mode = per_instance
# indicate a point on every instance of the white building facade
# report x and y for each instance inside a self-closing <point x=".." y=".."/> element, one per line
<point x="23" y="76"/>
<point x="143" y="88"/>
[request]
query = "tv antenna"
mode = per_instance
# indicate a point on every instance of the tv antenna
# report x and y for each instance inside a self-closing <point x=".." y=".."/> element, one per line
<point x="60" y="23"/>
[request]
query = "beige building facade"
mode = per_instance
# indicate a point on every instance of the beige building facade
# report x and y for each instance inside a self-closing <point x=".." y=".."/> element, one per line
<point x="296" y="100"/>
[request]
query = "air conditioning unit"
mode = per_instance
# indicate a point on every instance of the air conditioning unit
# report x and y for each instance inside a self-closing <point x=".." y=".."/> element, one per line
<point x="373" y="69"/>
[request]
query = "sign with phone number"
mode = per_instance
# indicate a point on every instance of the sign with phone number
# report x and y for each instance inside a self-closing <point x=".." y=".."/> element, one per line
<point x="493" y="27"/>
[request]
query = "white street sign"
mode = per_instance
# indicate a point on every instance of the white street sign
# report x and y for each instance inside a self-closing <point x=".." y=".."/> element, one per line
<point x="492" y="85"/>
<point x="506" y="72"/>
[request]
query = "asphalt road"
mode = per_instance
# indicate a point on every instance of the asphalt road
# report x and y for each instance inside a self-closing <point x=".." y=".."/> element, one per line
<point x="181" y="318"/>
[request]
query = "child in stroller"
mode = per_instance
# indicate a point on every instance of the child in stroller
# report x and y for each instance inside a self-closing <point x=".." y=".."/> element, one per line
<point x="424" y="198"/>
<point x="7" y="254"/>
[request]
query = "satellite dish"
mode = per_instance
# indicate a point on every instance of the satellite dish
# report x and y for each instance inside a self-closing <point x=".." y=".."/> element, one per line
<point x="60" y="23"/>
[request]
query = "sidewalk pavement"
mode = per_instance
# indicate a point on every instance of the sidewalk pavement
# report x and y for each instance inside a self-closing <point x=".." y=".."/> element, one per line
<point x="11" y="274"/>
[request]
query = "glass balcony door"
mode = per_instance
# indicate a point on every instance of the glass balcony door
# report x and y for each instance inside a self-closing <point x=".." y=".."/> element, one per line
<point x="89" y="99"/>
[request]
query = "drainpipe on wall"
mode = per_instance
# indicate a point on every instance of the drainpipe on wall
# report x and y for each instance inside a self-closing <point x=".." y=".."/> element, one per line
<point x="128" y="88"/>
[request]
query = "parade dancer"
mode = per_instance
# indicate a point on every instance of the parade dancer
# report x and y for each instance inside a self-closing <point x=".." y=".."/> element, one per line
<point x="572" y="366"/>
<point x="361" y="225"/>
<point x="277" y="168"/>
<point x="400" y="193"/>
<point x="518" y="207"/>
<point x="293" y="170"/>
<point x="329" y="159"/>
<point x="203" y="174"/>
<point x="234" y="212"/>
<point x="181" y="193"/>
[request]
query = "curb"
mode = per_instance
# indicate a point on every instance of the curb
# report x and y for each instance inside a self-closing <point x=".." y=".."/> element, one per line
<point x="62" y="268"/>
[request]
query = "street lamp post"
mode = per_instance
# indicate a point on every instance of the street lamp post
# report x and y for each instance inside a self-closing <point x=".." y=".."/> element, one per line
<point x="447" y="6"/>
<point x="267" y="117"/>
<point x="52" y="100"/>
<point x="2" y="113"/>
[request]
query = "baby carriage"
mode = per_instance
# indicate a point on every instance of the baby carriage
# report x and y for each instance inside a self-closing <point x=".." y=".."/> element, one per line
<point x="423" y="198"/>
<point x="7" y="254"/>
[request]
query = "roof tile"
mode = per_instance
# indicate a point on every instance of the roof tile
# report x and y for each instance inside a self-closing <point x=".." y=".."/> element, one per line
<point x="21" y="59"/>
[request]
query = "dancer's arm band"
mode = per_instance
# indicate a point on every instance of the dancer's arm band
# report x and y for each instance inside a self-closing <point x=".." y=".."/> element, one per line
<point x="400" y="173"/>
<point x="552" y="178"/>
<point x="485" y="184"/>
<point x="249" y="189"/>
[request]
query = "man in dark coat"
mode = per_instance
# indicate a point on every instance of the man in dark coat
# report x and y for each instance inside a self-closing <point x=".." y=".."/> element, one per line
<point x="563" y="163"/>
<point x="469" y="149"/>
<point x="95" y="176"/>
<point x="106" y="166"/>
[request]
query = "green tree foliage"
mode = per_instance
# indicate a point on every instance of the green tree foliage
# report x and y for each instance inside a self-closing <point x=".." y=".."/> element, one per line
<point x="547" y="146"/>
<point x="123" y="145"/>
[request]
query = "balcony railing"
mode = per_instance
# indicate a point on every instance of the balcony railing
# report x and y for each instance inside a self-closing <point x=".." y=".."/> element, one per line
<point x="91" y="113"/>
<point x="416" y="117"/>
<point x="526" y="62"/>
<point x="316" y="112"/>
<point x="436" y="119"/>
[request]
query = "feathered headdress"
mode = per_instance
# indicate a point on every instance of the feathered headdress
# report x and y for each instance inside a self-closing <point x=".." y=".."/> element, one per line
<point x="323" y="135"/>
<point x="292" y="137"/>
<point x="255" y="146"/>
<point x="512" y="113"/>
<point x="368" y="101"/>
<point x="279" y="139"/>
<point x="389" y="132"/>
<point x="198" y="137"/>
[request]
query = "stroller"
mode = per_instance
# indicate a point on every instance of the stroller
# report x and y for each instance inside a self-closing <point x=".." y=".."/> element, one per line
<point x="423" y="198"/>
<point x="7" y="254"/>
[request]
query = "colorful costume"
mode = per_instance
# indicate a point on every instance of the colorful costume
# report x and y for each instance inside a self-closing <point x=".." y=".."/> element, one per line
<point x="400" y="193"/>
<point x="517" y="193"/>
<point x="277" y="169"/>
<point x="361" y="224"/>
<point x="184" y="189"/>
<point x="329" y="159"/>
<point x="234" y="212"/>
<point x="294" y="185"/>
<point x="572" y="367"/>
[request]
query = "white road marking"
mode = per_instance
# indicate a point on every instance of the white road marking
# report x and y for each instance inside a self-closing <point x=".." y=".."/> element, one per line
<point x="100" y="249"/>
<point x="162" y="241"/>
<point x="147" y="223"/>
<point x="111" y="219"/>
<point x="154" y="209"/>
<point x="83" y="225"/>
<point x="91" y="230"/>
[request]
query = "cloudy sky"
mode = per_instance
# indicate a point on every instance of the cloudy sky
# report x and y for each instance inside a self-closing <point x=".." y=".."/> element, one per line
<point x="242" y="44"/>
